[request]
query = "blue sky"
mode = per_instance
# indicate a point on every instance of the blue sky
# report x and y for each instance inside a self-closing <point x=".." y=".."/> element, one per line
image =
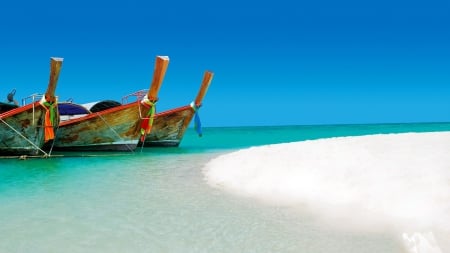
<point x="275" y="63"/>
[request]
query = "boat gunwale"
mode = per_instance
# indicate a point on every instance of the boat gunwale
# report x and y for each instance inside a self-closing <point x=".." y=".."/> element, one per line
<point x="178" y="109"/>
<point x="20" y="110"/>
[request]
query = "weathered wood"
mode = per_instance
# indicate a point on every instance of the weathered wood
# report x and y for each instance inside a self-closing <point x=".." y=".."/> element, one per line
<point x="55" y="67"/>
<point x="22" y="130"/>
<point x="160" y="70"/>
<point x="203" y="88"/>
<point x="169" y="126"/>
<point x="114" y="129"/>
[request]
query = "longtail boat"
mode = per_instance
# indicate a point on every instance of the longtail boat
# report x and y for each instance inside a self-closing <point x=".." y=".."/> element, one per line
<point x="169" y="126"/>
<point x="25" y="129"/>
<point x="111" y="126"/>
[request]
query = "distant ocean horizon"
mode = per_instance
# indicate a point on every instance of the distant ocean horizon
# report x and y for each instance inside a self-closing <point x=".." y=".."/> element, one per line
<point x="222" y="136"/>
<point x="157" y="200"/>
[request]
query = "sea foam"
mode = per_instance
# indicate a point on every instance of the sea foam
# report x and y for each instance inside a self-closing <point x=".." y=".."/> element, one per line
<point x="395" y="181"/>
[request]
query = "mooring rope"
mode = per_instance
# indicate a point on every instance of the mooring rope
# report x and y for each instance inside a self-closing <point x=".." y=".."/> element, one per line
<point x="54" y="140"/>
<point x="114" y="131"/>
<point x="25" y="138"/>
<point x="147" y="122"/>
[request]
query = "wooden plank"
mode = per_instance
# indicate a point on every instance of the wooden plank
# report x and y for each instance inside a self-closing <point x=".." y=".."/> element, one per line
<point x="207" y="77"/>
<point x="160" y="70"/>
<point x="22" y="129"/>
<point x="114" y="129"/>
<point x="169" y="127"/>
<point x="55" y="68"/>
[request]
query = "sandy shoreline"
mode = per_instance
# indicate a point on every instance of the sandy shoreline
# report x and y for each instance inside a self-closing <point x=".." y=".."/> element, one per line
<point x="396" y="180"/>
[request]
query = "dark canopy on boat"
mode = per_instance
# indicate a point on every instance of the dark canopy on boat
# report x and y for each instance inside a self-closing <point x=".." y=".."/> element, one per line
<point x="103" y="105"/>
<point x="67" y="108"/>
<point x="4" y="107"/>
<point x="71" y="109"/>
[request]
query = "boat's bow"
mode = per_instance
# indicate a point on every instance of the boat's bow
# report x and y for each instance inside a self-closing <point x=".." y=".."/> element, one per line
<point x="49" y="101"/>
<point x="149" y="101"/>
<point x="171" y="125"/>
<point x="24" y="130"/>
<point x="207" y="77"/>
<point x="112" y="126"/>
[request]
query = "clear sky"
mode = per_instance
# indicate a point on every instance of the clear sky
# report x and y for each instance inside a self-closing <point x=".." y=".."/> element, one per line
<point x="275" y="62"/>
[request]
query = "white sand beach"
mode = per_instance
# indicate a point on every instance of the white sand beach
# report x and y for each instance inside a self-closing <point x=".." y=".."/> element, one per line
<point x="398" y="183"/>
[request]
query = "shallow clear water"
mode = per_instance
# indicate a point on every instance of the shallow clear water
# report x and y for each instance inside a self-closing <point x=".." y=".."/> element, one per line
<point x="158" y="201"/>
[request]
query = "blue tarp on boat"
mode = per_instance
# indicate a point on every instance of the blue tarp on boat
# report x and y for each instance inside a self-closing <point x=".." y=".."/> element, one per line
<point x="71" y="109"/>
<point x="68" y="108"/>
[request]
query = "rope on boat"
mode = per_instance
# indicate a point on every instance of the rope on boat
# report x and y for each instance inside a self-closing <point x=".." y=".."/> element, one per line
<point x="53" y="142"/>
<point x="49" y="118"/>
<point x="142" y="146"/>
<point x="114" y="131"/>
<point x="197" y="122"/>
<point x="25" y="138"/>
<point x="147" y="122"/>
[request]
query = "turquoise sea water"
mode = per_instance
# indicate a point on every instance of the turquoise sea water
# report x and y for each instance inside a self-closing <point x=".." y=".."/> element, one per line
<point x="156" y="200"/>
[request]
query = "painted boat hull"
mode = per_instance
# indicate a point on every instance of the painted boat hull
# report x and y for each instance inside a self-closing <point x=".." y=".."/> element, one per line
<point x="169" y="127"/>
<point x="29" y="122"/>
<point x="115" y="129"/>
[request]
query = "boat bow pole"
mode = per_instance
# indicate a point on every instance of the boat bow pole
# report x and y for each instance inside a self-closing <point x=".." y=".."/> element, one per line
<point x="151" y="97"/>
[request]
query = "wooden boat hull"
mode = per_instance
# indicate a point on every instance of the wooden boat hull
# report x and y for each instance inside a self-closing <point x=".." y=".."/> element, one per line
<point x="114" y="129"/>
<point x="169" y="127"/>
<point x="22" y="130"/>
